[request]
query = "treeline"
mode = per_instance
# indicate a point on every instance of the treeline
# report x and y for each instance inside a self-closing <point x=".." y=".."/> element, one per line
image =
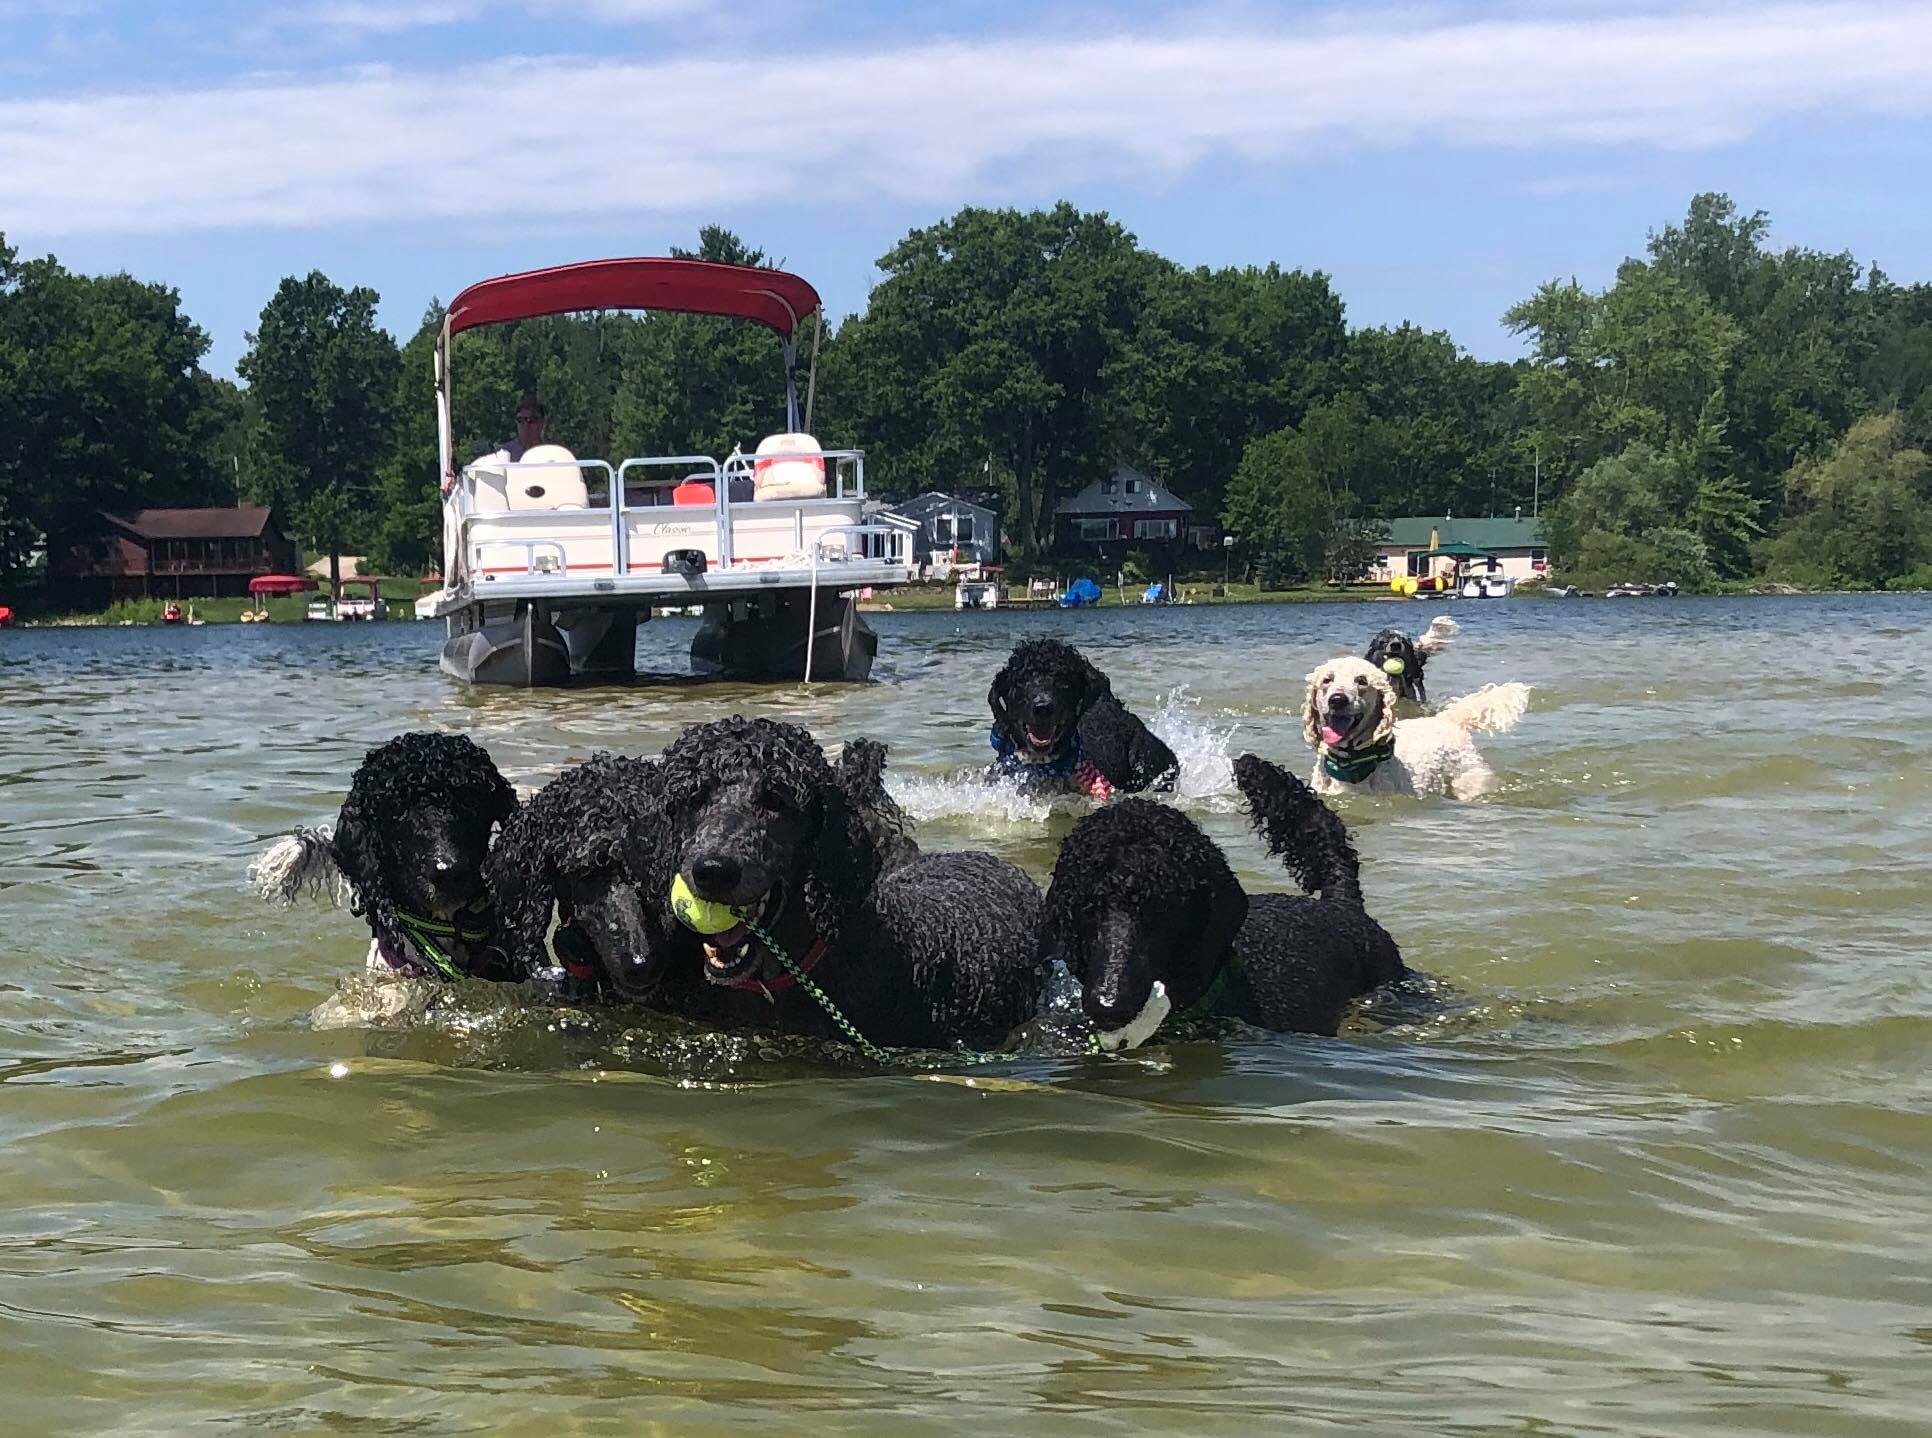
<point x="1724" y="410"/>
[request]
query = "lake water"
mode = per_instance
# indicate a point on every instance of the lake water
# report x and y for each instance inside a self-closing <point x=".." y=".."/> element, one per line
<point x="1664" y="1172"/>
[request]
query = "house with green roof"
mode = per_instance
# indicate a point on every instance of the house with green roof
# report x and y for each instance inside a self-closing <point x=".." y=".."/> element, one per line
<point x="1510" y="546"/>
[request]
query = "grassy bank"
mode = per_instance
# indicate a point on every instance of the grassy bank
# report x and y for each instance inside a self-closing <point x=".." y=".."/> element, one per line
<point x="940" y="596"/>
<point x="287" y="609"/>
<point x="402" y="594"/>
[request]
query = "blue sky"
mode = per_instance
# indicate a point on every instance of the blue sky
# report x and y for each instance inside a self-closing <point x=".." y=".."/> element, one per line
<point x="1439" y="160"/>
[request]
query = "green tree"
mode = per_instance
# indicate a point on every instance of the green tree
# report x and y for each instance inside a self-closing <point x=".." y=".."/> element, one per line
<point x="325" y="377"/>
<point x="1858" y="510"/>
<point x="699" y="384"/>
<point x="408" y="535"/>
<point x="1435" y="424"/>
<point x="988" y="344"/>
<point x="1625" y="518"/>
<point x="1279" y="509"/>
<point x="1215" y="358"/>
<point x="103" y="404"/>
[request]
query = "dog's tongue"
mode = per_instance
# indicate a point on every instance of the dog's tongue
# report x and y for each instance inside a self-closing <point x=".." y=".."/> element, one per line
<point x="1331" y="735"/>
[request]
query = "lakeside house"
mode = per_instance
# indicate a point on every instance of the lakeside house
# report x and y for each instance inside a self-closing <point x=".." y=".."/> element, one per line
<point x="1127" y="509"/>
<point x="1514" y="546"/>
<point x="952" y="529"/>
<point x="168" y="553"/>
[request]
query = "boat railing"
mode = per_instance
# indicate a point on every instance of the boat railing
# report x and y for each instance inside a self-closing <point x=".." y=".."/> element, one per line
<point x="532" y="530"/>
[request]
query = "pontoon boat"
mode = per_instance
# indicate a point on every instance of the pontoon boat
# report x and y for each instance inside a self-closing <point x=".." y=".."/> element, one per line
<point x="360" y="598"/>
<point x="547" y="576"/>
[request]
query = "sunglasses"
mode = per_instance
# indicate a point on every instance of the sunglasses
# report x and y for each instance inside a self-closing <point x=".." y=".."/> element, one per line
<point x="529" y="419"/>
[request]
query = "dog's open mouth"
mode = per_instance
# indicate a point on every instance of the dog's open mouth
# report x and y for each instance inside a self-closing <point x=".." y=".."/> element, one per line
<point x="1333" y="735"/>
<point x="736" y="954"/>
<point x="1043" y="741"/>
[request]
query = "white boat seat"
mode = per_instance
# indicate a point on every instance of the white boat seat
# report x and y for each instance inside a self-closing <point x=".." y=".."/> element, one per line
<point x="548" y="478"/>
<point x="774" y="476"/>
<point x="492" y="492"/>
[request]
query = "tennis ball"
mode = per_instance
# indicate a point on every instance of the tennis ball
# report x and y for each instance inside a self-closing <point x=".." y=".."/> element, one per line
<point x="1393" y="665"/>
<point x="700" y="915"/>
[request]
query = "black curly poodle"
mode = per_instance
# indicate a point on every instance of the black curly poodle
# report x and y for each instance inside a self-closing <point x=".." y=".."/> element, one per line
<point x="1149" y="917"/>
<point x="1404" y="659"/>
<point x="1056" y="723"/>
<point x="410" y="846"/>
<point x="580" y="846"/>
<point x="941" y="949"/>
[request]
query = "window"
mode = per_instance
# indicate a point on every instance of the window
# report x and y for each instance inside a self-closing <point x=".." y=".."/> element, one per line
<point x="1418" y="566"/>
<point x="942" y="530"/>
<point x="1133" y="486"/>
<point x="1157" y="528"/>
<point x="1095" y="530"/>
<point x="1106" y="486"/>
<point x="962" y="528"/>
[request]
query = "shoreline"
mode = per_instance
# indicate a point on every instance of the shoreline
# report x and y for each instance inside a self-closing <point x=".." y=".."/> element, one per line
<point x="917" y="598"/>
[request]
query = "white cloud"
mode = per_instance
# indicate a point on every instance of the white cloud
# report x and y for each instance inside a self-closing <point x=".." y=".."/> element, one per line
<point x="392" y="17"/>
<point x="510" y="144"/>
<point x="384" y="17"/>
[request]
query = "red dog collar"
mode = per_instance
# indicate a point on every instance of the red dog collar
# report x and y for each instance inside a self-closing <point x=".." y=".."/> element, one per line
<point x="773" y="988"/>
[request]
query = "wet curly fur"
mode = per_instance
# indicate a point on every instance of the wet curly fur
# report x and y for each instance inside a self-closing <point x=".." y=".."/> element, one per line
<point x="861" y="774"/>
<point x="578" y="846"/>
<point x="938" y="950"/>
<point x="413" y="835"/>
<point x="1139" y="894"/>
<point x="1047" y="690"/>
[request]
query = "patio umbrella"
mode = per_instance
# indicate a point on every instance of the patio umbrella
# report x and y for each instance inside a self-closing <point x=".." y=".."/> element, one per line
<point x="280" y="584"/>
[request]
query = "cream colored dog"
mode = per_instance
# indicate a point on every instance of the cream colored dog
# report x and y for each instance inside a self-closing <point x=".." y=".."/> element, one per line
<point x="1349" y="719"/>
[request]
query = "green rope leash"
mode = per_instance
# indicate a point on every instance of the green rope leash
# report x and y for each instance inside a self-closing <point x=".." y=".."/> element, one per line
<point x="819" y="996"/>
<point x="419" y="935"/>
<point x="423" y="931"/>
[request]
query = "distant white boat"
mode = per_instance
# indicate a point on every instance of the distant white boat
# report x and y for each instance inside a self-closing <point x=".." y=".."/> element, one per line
<point x="1487" y="586"/>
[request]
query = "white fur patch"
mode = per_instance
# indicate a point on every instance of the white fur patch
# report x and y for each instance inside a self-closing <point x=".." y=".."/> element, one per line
<point x="296" y="862"/>
<point x="1139" y="1029"/>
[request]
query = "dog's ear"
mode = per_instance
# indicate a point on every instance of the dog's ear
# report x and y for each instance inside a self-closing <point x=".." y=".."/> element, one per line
<point x="1227" y="911"/>
<point x="522" y="889"/>
<point x="1385" y="693"/>
<point x="361" y="862"/>
<point x="996" y="698"/>
<point x="845" y="865"/>
<point x="1096" y="684"/>
<point x="1311" y="719"/>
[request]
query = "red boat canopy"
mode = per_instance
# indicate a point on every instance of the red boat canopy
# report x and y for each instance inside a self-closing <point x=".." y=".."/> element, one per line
<point x="280" y="584"/>
<point x="773" y="298"/>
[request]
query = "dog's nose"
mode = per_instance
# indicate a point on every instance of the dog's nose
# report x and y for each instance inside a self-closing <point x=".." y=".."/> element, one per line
<point x="1338" y="701"/>
<point x="714" y="875"/>
<point x="1042" y="708"/>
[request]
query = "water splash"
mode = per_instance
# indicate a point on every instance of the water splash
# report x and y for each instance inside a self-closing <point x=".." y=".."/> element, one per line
<point x="1204" y="748"/>
<point x="975" y="801"/>
<point x="1000" y="803"/>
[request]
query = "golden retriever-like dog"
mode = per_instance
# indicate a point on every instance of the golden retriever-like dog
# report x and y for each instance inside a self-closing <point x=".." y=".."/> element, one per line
<point x="1349" y="720"/>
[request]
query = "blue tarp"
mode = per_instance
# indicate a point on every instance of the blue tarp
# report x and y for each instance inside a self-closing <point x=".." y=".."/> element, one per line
<point x="1080" y="593"/>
